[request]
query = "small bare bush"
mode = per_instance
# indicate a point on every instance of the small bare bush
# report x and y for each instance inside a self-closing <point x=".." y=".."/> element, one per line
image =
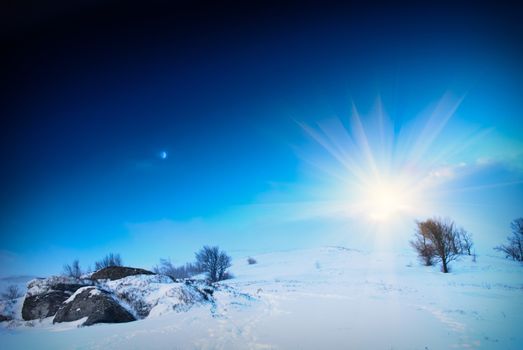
<point x="73" y="270"/>
<point x="107" y="261"/>
<point x="11" y="292"/>
<point x="514" y="247"/>
<point x="166" y="267"/>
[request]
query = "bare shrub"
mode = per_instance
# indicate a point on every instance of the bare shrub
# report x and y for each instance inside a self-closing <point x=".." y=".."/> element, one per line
<point x="214" y="262"/>
<point x="107" y="261"/>
<point x="167" y="268"/>
<point x="11" y="292"/>
<point x="73" y="270"/>
<point x="514" y="248"/>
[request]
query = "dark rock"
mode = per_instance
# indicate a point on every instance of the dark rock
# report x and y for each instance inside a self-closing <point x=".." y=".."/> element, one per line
<point x="5" y="318"/>
<point x="97" y="305"/>
<point x="45" y="296"/>
<point x="42" y="306"/>
<point x="116" y="272"/>
<point x="71" y="288"/>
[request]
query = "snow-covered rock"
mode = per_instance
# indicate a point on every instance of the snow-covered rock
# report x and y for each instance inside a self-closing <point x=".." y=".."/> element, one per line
<point x="153" y="295"/>
<point x="39" y="286"/>
<point x="93" y="304"/>
<point x="138" y="295"/>
<point x="45" y="295"/>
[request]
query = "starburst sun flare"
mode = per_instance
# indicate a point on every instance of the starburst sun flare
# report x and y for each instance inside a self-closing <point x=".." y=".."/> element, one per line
<point x="388" y="172"/>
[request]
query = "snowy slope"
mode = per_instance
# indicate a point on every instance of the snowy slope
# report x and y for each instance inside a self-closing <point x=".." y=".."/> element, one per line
<point x="325" y="298"/>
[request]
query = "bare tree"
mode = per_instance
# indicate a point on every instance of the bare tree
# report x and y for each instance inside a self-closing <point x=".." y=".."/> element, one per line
<point x="107" y="261"/>
<point x="466" y="242"/>
<point x="73" y="270"/>
<point x="184" y="271"/>
<point x="214" y="262"/>
<point x="11" y="292"/>
<point x="442" y="236"/>
<point x="514" y="248"/>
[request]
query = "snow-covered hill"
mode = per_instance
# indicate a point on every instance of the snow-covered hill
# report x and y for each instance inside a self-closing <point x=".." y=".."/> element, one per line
<point x="325" y="298"/>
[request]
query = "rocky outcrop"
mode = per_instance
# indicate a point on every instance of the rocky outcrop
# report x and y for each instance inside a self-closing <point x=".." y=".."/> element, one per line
<point x="97" y="305"/>
<point x="111" y="295"/>
<point x="116" y="272"/>
<point x="45" y="296"/>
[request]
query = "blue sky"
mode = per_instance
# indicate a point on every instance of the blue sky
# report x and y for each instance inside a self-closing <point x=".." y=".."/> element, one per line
<point x="227" y="95"/>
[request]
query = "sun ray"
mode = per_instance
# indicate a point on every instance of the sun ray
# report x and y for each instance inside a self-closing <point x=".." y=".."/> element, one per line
<point x="384" y="176"/>
<point x="435" y="124"/>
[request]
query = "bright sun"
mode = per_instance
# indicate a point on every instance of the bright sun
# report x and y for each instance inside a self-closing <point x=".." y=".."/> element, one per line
<point x="381" y="171"/>
<point x="382" y="200"/>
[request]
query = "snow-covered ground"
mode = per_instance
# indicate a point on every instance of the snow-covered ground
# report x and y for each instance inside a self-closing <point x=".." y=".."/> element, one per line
<point x="325" y="298"/>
